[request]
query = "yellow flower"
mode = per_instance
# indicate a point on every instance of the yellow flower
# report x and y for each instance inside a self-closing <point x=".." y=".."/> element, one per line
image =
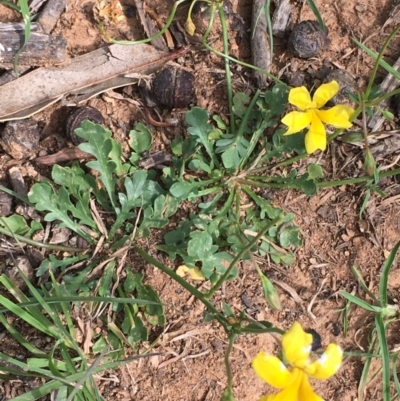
<point x="310" y="115"/>
<point x="296" y="345"/>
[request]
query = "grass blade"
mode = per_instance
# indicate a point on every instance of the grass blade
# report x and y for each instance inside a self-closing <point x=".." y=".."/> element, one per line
<point x="10" y="4"/>
<point x="365" y="371"/>
<point x="360" y="302"/>
<point x="384" y="351"/>
<point x="314" y="9"/>
<point x="383" y="282"/>
<point x="24" y="8"/>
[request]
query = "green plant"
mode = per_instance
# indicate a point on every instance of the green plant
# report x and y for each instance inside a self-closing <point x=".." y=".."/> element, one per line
<point x="68" y="367"/>
<point x="384" y="314"/>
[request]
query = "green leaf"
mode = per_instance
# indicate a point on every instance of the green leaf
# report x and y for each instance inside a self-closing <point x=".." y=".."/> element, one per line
<point x="99" y="144"/>
<point x="157" y="216"/>
<point x="182" y="189"/>
<point x="134" y="187"/>
<point x="138" y="331"/>
<point x="197" y="120"/>
<point x="44" y="197"/>
<point x="277" y="99"/>
<point x="383" y="282"/>
<point x="200" y="244"/>
<point x="309" y="187"/>
<point x="196" y="165"/>
<point x="116" y="156"/>
<point x="217" y="262"/>
<point x="360" y="302"/>
<point x="15" y="223"/>
<point x="290" y="236"/>
<point x="314" y="171"/>
<point x="230" y="158"/>
<point x="52" y="263"/>
<point x="384" y="351"/>
<point x="259" y="327"/>
<point x="240" y="102"/>
<point x="176" y="146"/>
<point x="227" y="310"/>
<point x="141" y="138"/>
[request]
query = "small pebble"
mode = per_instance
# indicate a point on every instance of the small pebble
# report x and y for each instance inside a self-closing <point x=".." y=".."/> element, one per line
<point x="13" y="273"/>
<point x="347" y="86"/>
<point x="20" y="139"/>
<point x="6" y="203"/>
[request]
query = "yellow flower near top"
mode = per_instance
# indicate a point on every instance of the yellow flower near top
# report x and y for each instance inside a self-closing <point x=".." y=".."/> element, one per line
<point x="294" y="384"/>
<point x="311" y="116"/>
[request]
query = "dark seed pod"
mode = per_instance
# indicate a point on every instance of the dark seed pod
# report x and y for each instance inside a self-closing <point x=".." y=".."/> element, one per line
<point x="76" y="117"/>
<point x="307" y="39"/>
<point x="173" y="87"/>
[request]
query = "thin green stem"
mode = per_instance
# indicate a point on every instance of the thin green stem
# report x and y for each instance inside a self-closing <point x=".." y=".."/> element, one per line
<point x="193" y="290"/>
<point x="378" y="100"/>
<point x="377" y="61"/>
<point x="283" y="163"/>
<point x="229" y="376"/>
<point x="227" y="67"/>
<point x="227" y="57"/>
<point x="357" y="179"/>
<point x="252" y="183"/>
<point x="246" y="116"/>
<point x="245" y="249"/>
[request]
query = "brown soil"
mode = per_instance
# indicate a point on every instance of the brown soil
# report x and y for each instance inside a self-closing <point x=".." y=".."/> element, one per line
<point x="335" y="236"/>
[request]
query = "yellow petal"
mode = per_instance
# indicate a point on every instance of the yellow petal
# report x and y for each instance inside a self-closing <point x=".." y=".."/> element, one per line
<point x="300" y="97"/>
<point x="324" y="93"/>
<point x="194" y="273"/>
<point x="296" y="344"/>
<point x="290" y="393"/>
<point x="328" y="364"/>
<point x="272" y="370"/>
<point x="296" y="121"/>
<point x="338" y="116"/>
<point x="306" y="392"/>
<point x="316" y="136"/>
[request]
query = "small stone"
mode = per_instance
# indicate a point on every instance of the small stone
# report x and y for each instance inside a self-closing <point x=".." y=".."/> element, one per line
<point x="13" y="273"/>
<point x="307" y="39"/>
<point x="6" y="203"/>
<point x="20" y="139"/>
<point x="17" y="181"/>
<point x="60" y="235"/>
<point x="347" y="86"/>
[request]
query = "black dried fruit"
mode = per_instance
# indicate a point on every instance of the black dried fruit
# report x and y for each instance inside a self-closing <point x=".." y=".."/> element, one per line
<point x="76" y="117"/>
<point x="307" y="39"/>
<point x="173" y="87"/>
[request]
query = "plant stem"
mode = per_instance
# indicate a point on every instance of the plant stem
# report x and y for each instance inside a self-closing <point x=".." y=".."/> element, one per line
<point x="245" y="249"/>
<point x="227" y="67"/>
<point x="193" y="290"/>
<point x="229" y="378"/>
<point x="377" y="61"/>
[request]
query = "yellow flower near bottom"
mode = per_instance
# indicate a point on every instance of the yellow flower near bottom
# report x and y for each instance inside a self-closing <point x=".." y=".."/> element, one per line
<point x="311" y="116"/>
<point x="294" y="383"/>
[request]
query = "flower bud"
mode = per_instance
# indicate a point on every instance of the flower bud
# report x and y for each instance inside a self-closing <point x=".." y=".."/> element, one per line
<point x="270" y="293"/>
<point x="369" y="163"/>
